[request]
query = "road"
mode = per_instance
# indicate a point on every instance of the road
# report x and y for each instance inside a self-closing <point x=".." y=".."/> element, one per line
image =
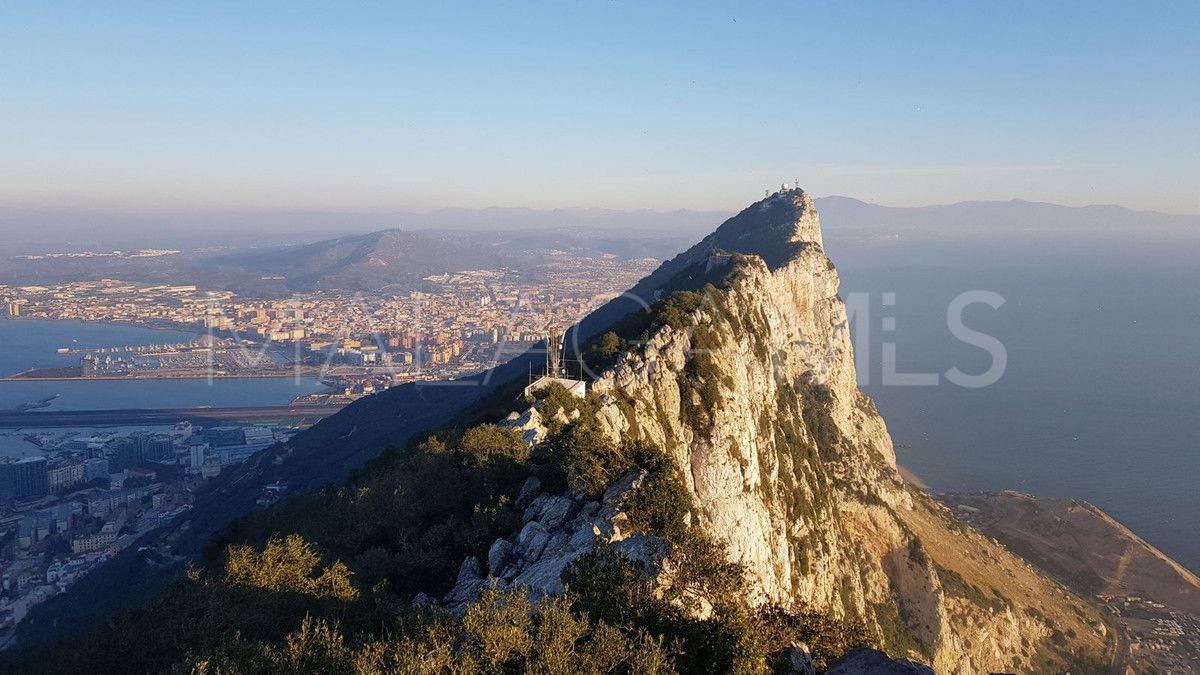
<point x="135" y="417"/>
<point x="1122" y="657"/>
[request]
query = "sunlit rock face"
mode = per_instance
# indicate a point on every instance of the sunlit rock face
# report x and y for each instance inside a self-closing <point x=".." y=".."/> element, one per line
<point x="787" y="461"/>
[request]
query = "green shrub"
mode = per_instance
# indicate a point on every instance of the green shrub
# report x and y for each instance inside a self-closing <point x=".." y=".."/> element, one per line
<point x="703" y="569"/>
<point x="779" y="628"/>
<point x="609" y="586"/>
<point x="498" y="628"/>
<point x="557" y="398"/>
<point x="288" y="564"/>
<point x="661" y="506"/>
<point x="433" y="445"/>
<point x="602" y="352"/>
<point x="676" y="309"/>
<point x="485" y="441"/>
<point x="502" y="632"/>
<point x="585" y="455"/>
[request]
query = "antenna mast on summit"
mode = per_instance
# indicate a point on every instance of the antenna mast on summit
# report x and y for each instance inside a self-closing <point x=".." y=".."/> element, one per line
<point x="554" y="345"/>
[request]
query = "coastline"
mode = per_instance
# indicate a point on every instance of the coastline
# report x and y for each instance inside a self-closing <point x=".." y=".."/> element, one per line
<point x="179" y="328"/>
<point x="19" y="377"/>
<point x="1136" y="587"/>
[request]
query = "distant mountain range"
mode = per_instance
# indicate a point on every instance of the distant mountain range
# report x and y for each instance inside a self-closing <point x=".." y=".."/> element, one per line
<point x="242" y="249"/>
<point x="26" y="230"/>
<point x="845" y="216"/>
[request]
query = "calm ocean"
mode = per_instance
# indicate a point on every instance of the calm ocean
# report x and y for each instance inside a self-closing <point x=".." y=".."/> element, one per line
<point x="1101" y="395"/>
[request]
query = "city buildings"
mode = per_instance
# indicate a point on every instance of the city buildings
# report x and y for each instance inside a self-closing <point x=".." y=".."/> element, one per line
<point x="457" y="324"/>
<point x="24" y="478"/>
<point x="63" y="513"/>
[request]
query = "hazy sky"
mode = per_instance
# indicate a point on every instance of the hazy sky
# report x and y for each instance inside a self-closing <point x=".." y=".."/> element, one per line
<point x="361" y="106"/>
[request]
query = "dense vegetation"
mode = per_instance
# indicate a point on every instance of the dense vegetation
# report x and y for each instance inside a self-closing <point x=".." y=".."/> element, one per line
<point x="325" y="582"/>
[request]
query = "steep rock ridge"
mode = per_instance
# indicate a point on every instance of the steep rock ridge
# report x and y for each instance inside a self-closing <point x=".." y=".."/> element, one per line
<point x="783" y="422"/>
<point x="789" y="463"/>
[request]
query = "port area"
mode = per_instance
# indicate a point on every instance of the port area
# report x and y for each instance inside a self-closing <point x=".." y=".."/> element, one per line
<point x="207" y="356"/>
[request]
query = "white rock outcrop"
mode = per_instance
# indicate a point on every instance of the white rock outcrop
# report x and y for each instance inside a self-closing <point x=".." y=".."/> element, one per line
<point x="556" y="531"/>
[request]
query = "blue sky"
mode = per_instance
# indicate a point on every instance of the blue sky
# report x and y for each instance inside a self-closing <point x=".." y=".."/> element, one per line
<point x="361" y="106"/>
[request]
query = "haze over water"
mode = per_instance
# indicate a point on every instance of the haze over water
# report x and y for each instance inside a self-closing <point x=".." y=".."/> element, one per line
<point x="1102" y="390"/>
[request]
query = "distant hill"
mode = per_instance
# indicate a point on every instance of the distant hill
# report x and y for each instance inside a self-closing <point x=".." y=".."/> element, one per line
<point x="391" y="259"/>
<point x="37" y="230"/>
<point x="367" y="262"/>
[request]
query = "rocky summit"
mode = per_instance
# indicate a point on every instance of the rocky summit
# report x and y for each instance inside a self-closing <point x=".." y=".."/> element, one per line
<point x="754" y="396"/>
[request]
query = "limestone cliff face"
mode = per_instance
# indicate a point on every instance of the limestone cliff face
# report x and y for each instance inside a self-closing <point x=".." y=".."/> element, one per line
<point x="774" y="436"/>
<point x="789" y="463"/>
